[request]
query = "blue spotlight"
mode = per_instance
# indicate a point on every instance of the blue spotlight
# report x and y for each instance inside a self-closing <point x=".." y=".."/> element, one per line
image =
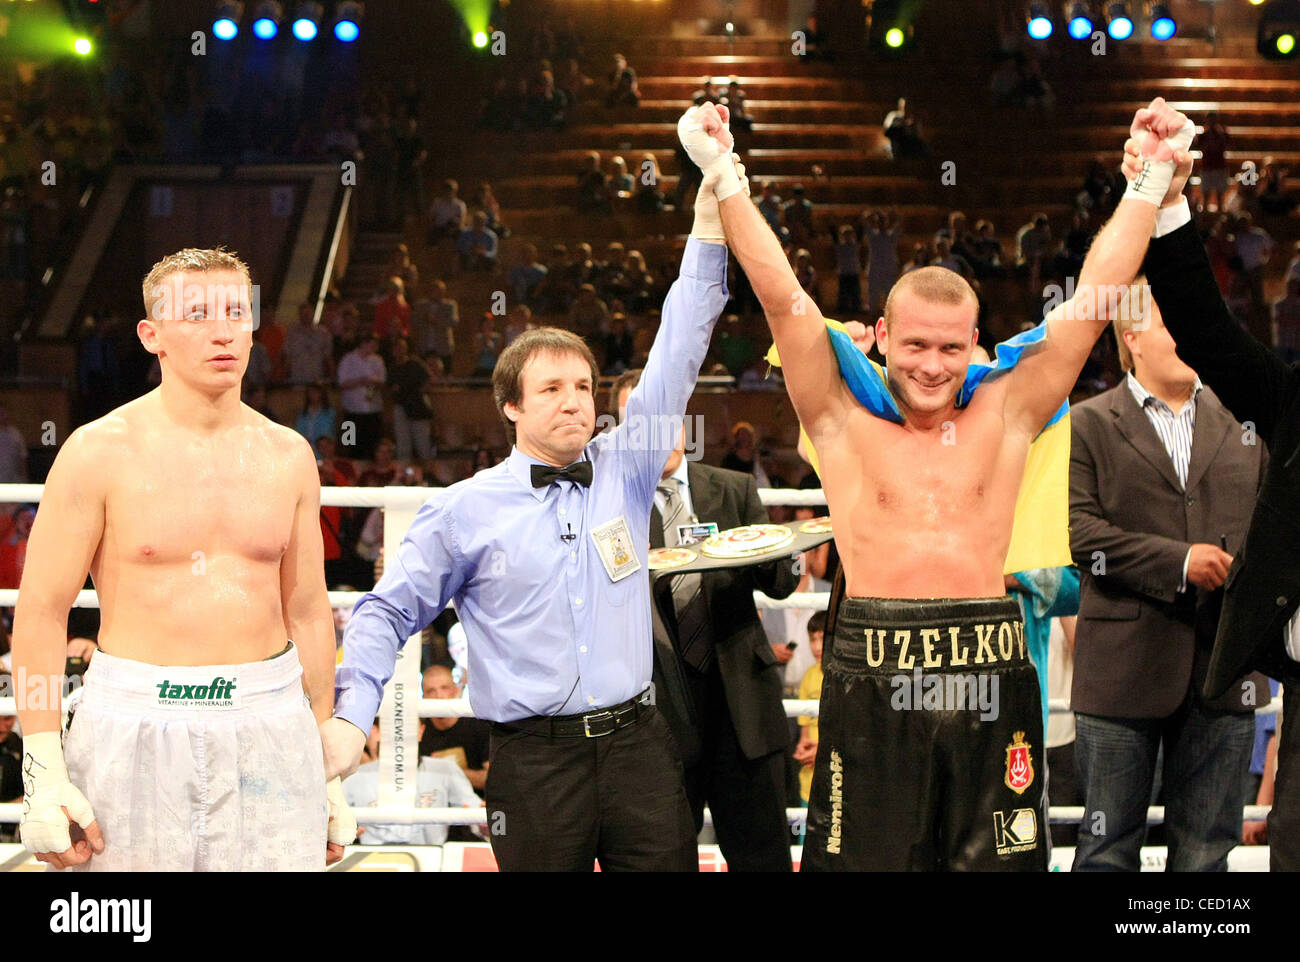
<point x="225" y="25"/>
<point x="1080" y="23"/>
<point x="306" y="24"/>
<point x="1163" y="25"/>
<point x="1118" y="23"/>
<point x="266" y="20"/>
<point x="1040" y="21"/>
<point x="347" y="21"/>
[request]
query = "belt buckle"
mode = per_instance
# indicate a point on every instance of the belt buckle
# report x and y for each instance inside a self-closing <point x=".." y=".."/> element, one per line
<point x="600" y="716"/>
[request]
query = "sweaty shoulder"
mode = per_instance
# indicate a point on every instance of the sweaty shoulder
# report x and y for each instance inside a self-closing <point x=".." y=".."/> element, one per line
<point x="102" y="443"/>
<point x="286" y="440"/>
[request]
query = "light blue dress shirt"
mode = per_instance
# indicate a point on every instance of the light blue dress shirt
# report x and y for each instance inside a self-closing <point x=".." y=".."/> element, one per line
<point x="548" y="632"/>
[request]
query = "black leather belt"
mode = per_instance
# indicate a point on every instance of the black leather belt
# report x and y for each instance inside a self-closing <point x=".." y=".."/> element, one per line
<point x="590" y="725"/>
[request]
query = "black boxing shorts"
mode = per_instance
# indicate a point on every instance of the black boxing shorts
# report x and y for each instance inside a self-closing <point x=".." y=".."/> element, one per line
<point x="930" y="755"/>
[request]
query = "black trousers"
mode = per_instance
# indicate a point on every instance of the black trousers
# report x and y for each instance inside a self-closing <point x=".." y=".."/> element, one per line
<point x="746" y="796"/>
<point x="930" y="751"/>
<point x="1284" y="819"/>
<point x="562" y="804"/>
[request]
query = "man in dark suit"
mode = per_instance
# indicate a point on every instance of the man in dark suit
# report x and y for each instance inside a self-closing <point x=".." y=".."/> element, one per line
<point x="1157" y="471"/>
<point x="717" y="680"/>
<point x="1258" y="628"/>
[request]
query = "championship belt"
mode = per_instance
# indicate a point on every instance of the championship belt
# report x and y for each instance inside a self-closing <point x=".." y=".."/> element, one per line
<point x="751" y="544"/>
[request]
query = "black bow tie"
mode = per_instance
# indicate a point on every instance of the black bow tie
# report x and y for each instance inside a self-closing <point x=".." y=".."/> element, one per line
<point x="579" y="471"/>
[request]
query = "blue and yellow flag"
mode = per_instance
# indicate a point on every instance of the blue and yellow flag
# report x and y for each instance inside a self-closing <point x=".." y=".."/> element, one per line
<point x="1040" y="533"/>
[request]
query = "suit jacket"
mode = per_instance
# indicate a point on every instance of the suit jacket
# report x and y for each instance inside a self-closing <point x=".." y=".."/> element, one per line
<point x="1140" y="643"/>
<point x="751" y="675"/>
<point x="1262" y="392"/>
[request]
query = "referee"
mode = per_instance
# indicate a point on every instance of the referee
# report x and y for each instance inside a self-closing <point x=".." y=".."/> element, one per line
<point x="545" y="557"/>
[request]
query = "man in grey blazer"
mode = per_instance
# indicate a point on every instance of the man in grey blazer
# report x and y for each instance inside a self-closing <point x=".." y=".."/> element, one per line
<point x="1162" y="481"/>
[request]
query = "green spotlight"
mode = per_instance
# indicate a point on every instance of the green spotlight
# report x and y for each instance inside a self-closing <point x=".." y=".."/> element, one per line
<point x="1285" y="43"/>
<point x="82" y="46"/>
<point x="480" y="39"/>
<point x="894" y="37"/>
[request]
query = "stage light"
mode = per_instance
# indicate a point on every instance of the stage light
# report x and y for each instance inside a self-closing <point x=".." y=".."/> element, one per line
<point x="347" y="22"/>
<point x="731" y="27"/>
<point x="1163" y="25"/>
<point x="1080" y="22"/>
<point x="480" y="39"/>
<point x="1119" y="25"/>
<point x="266" y="20"/>
<point x="890" y="30"/>
<point x="1279" y="25"/>
<point x="307" y="24"/>
<point x="225" y="26"/>
<point x="82" y="46"/>
<point x="1040" y="21"/>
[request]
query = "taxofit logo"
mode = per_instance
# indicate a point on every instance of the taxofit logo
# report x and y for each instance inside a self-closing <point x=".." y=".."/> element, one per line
<point x="220" y="692"/>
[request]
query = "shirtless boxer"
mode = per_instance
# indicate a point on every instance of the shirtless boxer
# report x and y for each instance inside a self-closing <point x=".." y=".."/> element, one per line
<point x="923" y="508"/>
<point x="196" y="742"/>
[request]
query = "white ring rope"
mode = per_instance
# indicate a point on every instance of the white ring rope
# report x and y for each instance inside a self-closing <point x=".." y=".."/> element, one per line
<point x="397" y="815"/>
<point x="406" y="501"/>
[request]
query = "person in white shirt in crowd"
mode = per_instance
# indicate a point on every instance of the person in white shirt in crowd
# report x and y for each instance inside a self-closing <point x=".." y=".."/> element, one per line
<point x="361" y="377"/>
<point x="447" y="215"/>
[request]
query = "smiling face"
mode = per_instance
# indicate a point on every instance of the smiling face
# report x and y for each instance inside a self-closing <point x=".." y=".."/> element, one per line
<point x="927" y="345"/>
<point x="556" y="412"/>
<point x="200" y="325"/>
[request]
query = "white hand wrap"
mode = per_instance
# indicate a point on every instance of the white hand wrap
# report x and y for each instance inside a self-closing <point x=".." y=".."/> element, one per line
<point x="709" y="155"/>
<point x="1153" y="182"/>
<point x="708" y="216"/>
<point x="46" y="792"/>
<point x="343" y="823"/>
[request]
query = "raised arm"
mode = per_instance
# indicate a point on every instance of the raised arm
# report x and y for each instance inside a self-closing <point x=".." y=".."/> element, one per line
<point x="1251" y="380"/>
<point x="812" y="376"/>
<point x="692" y="307"/>
<point x="1044" y="377"/>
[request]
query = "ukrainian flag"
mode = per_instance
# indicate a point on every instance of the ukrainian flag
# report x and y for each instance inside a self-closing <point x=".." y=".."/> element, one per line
<point x="1040" y="533"/>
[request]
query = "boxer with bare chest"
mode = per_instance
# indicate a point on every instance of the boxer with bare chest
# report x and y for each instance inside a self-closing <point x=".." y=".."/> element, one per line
<point x="923" y="507"/>
<point x="196" y="744"/>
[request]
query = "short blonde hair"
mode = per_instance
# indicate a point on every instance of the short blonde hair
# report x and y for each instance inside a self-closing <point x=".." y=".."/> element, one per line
<point x="934" y="285"/>
<point x="1128" y="313"/>
<point x="190" y="260"/>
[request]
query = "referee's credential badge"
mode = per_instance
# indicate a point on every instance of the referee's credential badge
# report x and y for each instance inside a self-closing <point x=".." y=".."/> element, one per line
<point x="614" y="545"/>
<point x="1020" y="764"/>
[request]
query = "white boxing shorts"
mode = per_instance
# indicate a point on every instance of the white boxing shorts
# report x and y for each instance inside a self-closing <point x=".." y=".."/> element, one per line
<point x="192" y="769"/>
